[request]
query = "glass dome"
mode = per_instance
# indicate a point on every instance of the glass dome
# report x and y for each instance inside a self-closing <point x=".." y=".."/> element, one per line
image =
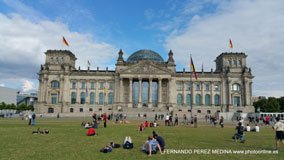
<point x="145" y="55"/>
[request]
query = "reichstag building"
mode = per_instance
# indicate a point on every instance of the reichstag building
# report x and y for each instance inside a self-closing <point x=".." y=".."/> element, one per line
<point x="143" y="82"/>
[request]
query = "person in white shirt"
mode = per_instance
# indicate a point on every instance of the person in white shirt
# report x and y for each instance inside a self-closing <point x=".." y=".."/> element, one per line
<point x="279" y="129"/>
<point x="248" y="128"/>
<point x="255" y="129"/>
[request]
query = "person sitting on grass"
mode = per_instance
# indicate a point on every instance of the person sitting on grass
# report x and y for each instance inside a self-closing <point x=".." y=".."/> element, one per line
<point x="141" y="127"/>
<point x="247" y="128"/>
<point x="87" y="125"/>
<point x="160" y="140"/>
<point x="91" y="132"/>
<point x="255" y="129"/>
<point x="127" y="144"/>
<point x="151" y="146"/>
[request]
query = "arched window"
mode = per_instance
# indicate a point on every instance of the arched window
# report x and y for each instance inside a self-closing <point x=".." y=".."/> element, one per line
<point x="217" y="100"/>
<point x="179" y="99"/>
<point x="110" y="98"/>
<point x="198" y="100"/>
<point x="101" y="98"/>
<point x="83" y="97"/>
<point x="92" y="98"/>
<point x="73" y="97"/>
<point x="207" y="100"/>
<point x="236" y="87"/>
<point x="188" y="99"/>
<point x="71" y="110"/>
<point x="55" y="84"/>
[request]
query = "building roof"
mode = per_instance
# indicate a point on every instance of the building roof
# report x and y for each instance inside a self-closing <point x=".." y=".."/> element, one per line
<point x="145" y="55"/>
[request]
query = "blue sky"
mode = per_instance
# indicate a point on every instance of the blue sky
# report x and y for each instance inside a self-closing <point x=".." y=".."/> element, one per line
<point x="97" y="29"/>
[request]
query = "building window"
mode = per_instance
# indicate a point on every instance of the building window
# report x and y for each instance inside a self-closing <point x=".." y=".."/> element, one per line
<point x="71" y="110"/>
<point x="207" y="100"/>
<point x="81" y="110"/>
<point x="236" y="87"/>
<point x="83" y="98"/>
<point x="102" y="85"/>
<point x="179" y="99"/>
<point x="73" y="97"/>
<point x="110" y="85"/>
<point x="237" y="101"/>
<point x="92" y="98"/>
<point x="90" y="109"/>
<point x="217" y="87"/>
<point x="235" y="62"/>
<point x="197" y="87"/>
<point x="54" y="84"/>
<point x="53" y="98"/>
<point x="50" y="110"/>
<point x="230" y="62"/>
<point x="179" y="86"/>
<point x="101" y="98"/>
<point x="239" y="63"/>
<point x="92" y="85"/>
<point x="110" y="98"/>
<point x="73" y="85"/>
<point x="217" y="100"/>
<point x="207" y="87"/>
<point x="187" y="86"/>
<point x="188" y="99"/>
<point x="83" y="85"/>
<point x="198" y="100"/>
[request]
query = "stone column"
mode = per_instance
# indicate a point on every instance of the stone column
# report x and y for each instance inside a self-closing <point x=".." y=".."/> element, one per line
<point x="46" y="96"/>
<point x="121" y="90"/>
<point x="202" y="94"/>
<point x="130" y="104"/>
<point x="87" y="96"/>
<point x="106" y="94"/>
<point x="140" y="94"/>
<point x="150" y="104"/>
<point x="183" y="94"/>
<point x="97" y="93"/>
<point x="78" y="93"/>
<point x="212" y="94"/>
<point x="193" y="95"/>
<point x="160" y="93"/>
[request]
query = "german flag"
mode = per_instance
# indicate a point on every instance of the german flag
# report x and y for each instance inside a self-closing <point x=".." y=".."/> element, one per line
<point x="64" y="41"/>
<point x="230" y="43"/>
<point x="192" y="68"/>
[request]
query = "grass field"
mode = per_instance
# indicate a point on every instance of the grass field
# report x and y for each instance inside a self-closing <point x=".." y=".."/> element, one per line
<point x="68" y="140"/>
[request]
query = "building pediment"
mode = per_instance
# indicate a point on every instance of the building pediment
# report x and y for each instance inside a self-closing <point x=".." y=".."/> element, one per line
<point x="145" y="68"/>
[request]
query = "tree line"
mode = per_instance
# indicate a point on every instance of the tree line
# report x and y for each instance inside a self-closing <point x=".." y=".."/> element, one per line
<point x="271" y="104"/>
<point x="21" y="107"/>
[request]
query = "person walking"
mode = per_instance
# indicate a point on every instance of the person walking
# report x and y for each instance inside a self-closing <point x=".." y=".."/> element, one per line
<point x="279" y="132"/>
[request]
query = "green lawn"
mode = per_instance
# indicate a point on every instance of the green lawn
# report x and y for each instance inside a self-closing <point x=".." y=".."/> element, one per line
<point x="68" y="140"/>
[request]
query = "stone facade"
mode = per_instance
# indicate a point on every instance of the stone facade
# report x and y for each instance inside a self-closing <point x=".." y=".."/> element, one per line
<point x="143" y="81"/>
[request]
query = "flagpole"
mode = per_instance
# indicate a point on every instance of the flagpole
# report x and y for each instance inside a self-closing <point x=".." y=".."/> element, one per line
<point x="191" y="88"/>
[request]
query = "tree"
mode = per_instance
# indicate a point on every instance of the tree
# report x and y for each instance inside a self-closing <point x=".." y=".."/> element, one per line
<point x="261" y="104"/>
<point x="281" y="103"/>
<point x="272" y="105"/>
<point x="267" y="105"/>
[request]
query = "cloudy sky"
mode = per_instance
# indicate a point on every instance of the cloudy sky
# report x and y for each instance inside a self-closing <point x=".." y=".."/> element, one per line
<point x="97" y="29"/>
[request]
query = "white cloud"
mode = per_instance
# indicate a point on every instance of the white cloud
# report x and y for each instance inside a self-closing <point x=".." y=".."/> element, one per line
<point x="23" y="43"/>
<point x="28" y="86"/>
<point x="256" y="28"/>
<point x="2" y="84"/>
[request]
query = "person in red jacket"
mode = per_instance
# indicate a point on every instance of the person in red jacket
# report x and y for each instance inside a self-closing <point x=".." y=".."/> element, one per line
<point x="91" y="132"/>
